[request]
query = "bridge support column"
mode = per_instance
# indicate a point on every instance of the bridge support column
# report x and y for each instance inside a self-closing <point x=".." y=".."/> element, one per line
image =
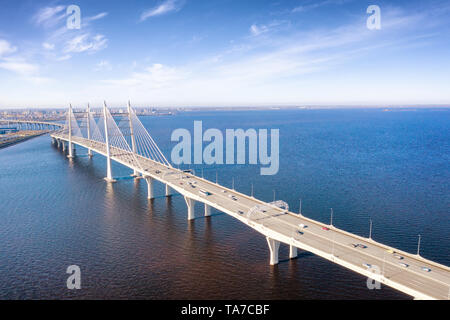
<point x="109" y="177"/>
<point x="71" y="150"/>
<point x="274" y="247"/>
<point x="207" y="210"/>
<point x="168" y="191"/>
<point x="133" y="139"/>
<point x="70" y="155"/>
<point x="63" y="145"/>
<point x="150" y="193"/>
<point x="190" y="204"/>
<point x="293" y="252"/>
<point x="88" y="114"/>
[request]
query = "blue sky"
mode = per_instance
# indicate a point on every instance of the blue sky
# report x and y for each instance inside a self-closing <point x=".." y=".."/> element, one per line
<point x="224" y="53"/>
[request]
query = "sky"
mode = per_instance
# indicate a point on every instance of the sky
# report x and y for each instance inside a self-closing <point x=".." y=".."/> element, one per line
<point x="181" y="53"/>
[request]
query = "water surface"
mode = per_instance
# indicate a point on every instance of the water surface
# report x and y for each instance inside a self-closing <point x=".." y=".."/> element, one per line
<point x="392" y="167"/>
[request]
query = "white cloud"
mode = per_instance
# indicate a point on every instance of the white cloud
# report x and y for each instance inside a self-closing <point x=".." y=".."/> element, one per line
<point x="65" y="42"/>
<point x="165" y="7"/>
<point x="64" y="57"/>
<point x="6" y="48"/>
<point x="153" y="77"/>
<point x="318" y="4"/>
<point x="49" y="16"/>
<point x="257" y="30"/>
<point x="19" y="67"/>
<point x="48" y="46"/>
<point x="96" y="17"/>
<point x="103" y="65"/>
<point x="86" y="43"/>
<point x="273" y="70"/>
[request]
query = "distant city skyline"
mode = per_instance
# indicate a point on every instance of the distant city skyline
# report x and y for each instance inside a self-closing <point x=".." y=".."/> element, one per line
<point x="186" y="53"/>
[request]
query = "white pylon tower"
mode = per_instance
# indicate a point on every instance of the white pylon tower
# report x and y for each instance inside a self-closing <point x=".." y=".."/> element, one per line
<point x="133" y="139"/>
<point x="109" y="177"/>
<point x="70" y="155"/>
<point x="88" y="114"/>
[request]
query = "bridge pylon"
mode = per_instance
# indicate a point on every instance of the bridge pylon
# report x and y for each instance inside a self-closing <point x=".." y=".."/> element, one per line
<point x="88" y="115"/>
<point x="109" y="176"/>
<point x="133" y="138"/>
<point x="70" y="155"/>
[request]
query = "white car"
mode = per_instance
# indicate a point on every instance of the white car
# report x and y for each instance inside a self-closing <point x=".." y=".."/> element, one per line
<point x="404" y="265"/>
<point x="426" y="269"/>
<point x="302" y="226"/>
<point x="367" y="265"/>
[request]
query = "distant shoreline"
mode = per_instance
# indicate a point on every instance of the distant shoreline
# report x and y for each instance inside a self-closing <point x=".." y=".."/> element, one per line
<point x="19" y="140"/>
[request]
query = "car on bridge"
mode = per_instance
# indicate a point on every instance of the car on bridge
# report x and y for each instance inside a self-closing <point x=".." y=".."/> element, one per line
<point x="404" y="265"/>
<point x="426" y="269"/>
<point x="325" y="228"/>
<point x="302" y="226"/>
<point x="205" y="193"/>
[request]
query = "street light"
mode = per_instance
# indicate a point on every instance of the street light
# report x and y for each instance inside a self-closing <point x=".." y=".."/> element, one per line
<point x="331" y="217"/>
<point x="418" y="246"/>
<point x="370" y="232"/>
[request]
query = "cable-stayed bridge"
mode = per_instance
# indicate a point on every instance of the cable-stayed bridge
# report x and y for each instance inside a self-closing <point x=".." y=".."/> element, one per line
<point x="127" y="141"/>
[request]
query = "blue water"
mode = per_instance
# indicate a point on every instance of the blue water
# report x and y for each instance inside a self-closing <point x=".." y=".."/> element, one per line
<point x="391" y="167"/>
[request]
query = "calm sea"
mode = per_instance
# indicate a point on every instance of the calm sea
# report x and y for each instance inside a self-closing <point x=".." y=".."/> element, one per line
<point x="391" y="167"/>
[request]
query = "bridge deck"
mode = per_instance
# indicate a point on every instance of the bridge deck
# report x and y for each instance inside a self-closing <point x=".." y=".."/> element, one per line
<point x="333" y="244"/>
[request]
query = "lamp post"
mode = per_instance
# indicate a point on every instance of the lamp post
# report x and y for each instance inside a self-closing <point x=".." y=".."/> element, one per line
<point x="418" y="246"/>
